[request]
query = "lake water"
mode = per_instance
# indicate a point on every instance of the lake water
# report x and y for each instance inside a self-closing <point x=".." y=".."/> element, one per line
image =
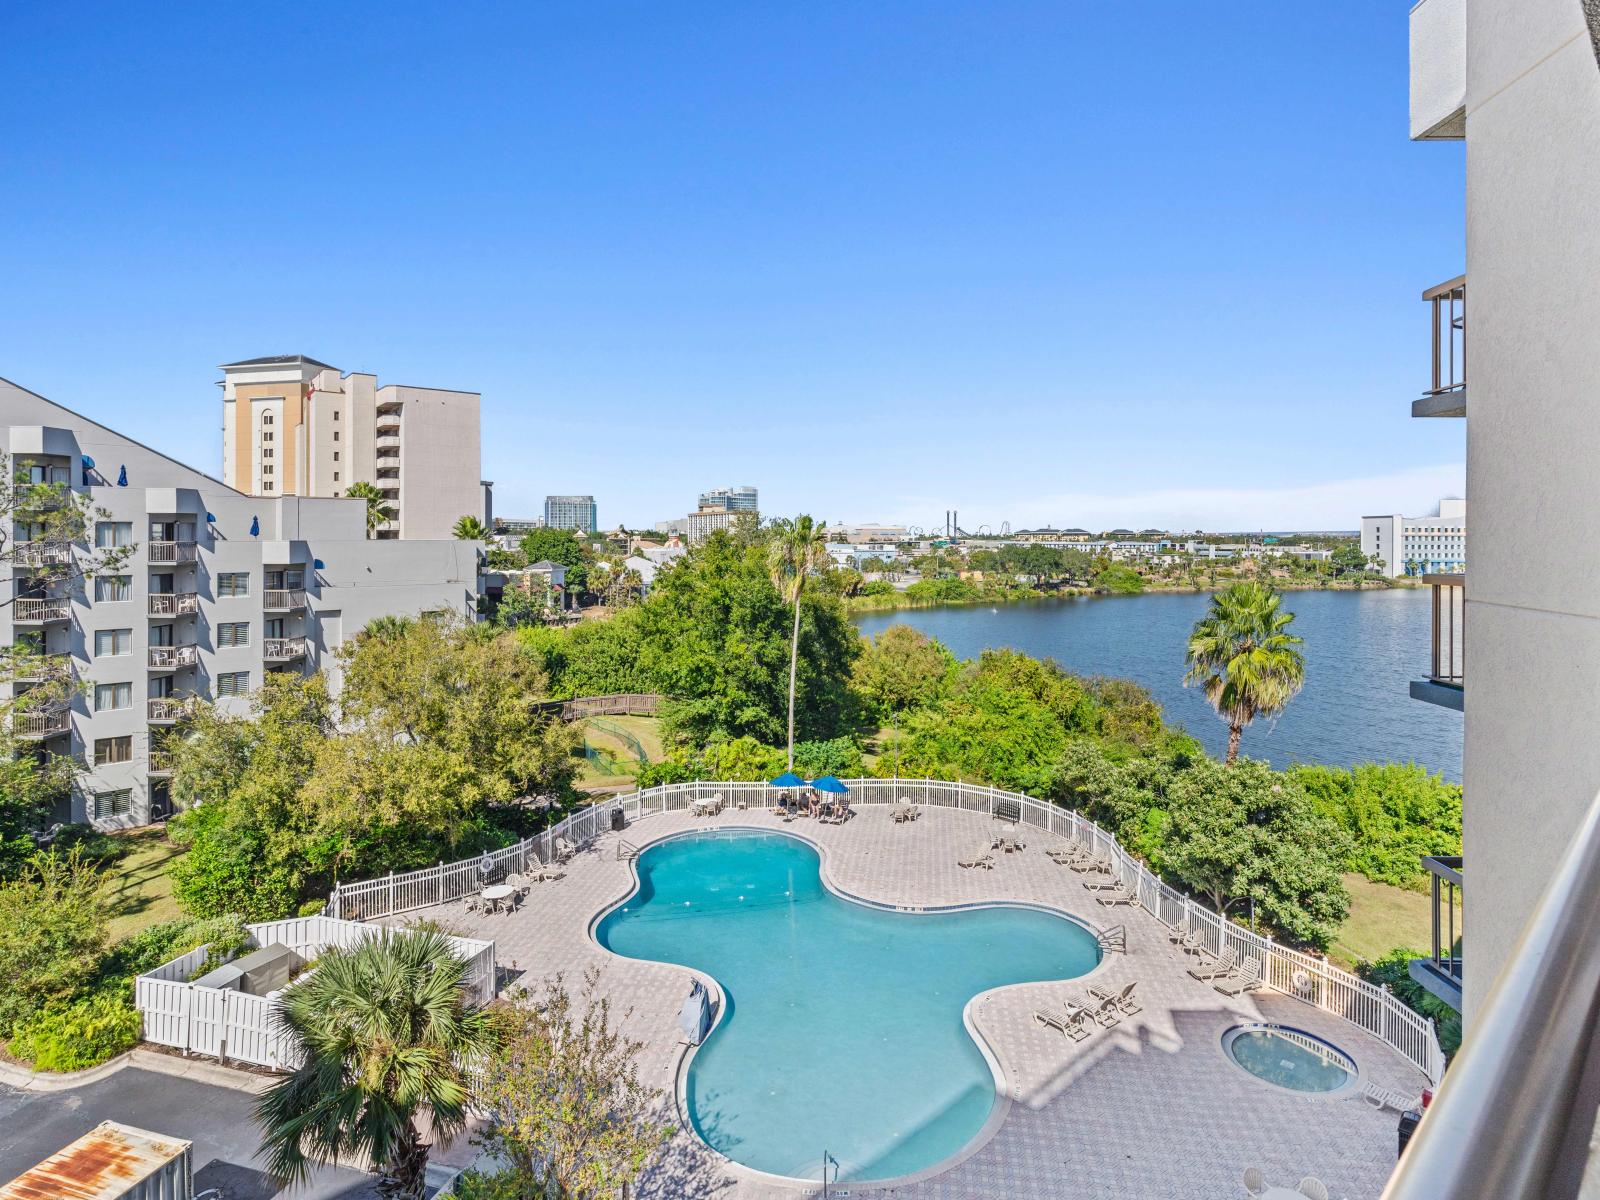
<point x="1362" y="649"/>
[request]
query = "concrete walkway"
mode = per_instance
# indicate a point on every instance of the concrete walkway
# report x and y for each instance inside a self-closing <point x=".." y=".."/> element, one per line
<point x="1147" y="1110"/>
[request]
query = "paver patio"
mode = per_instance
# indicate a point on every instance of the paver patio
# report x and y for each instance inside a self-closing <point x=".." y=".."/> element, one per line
<point x="1150" y="1109"/>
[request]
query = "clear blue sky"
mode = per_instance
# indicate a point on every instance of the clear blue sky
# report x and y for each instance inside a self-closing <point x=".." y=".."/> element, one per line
<point x="1071" y="262"/>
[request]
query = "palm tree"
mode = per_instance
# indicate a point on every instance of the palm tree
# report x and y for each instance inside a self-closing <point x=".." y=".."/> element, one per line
<point x="797" y="548"/>
<point x="383" y="1028"/>
<point x="470" y="529"/>
<point x="378" y="510"/>
<point x="1243" y="659"/>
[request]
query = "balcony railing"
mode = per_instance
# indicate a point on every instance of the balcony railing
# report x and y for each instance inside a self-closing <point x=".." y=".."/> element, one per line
<point x="172" y="552"/>
<point x="42" y="554"/>
<point x="1440" y="972"/>
<point x="173" y="658"/>
<point x="42" y="722"/>
<point x="55" y="664"/>
<point x="1447" y="662"/>
<point x="1448" y="395"/>
<point x="33" y="497"/>
<point x="283" y="599"/>
<point x="283" y="649"/>
<point x="31" y="610"/>
<point x="173" y="604"/>
<point x="164" y="710"/>
<point x="159" y="762"/>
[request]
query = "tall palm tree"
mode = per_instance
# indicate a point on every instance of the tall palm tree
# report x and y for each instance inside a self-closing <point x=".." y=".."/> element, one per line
<point x="384" y="1028"/>
<point x="1243" y="658"/>
<point x="797" y="548"/>
<point x="470" y="529"/>
<point x="378" y="509"/>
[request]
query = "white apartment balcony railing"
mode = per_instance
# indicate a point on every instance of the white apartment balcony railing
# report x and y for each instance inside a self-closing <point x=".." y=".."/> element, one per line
<point x="172" y="552"/>
<point x="42" y="722"/>
<point x="1447" y="664"/>
<point x="159" y="762"/>
<point x="42" y="554"/>
<point x="1448" y="395"/>
<point x="283" y="599"/>
<point x="29" y="610"/>
<point x="56" y="664"/>
<point x="174" y="604"/>
<point x="173" y="658"/>
<point x="275" y="650"/>
<point x="164" y="710"/>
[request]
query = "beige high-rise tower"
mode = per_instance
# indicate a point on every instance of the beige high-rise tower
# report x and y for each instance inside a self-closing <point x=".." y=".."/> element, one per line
<point x="294" y="426"/>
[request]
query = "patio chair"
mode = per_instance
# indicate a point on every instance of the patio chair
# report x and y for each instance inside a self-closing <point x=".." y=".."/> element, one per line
<point x="1194" y="942"/>
<point x="474" y="903"/>
<point x="1122" y="999"/>
<point x="1313" y="1188"/>
<point x="1114" y="940"/>
<point x="1070" y="1026"/>
<point x="1255" y="1183"/>
<point x="1110" y="884"/>
<point x="1102" y="1012"/>
<point x="1246" y="979"/>
<point x="1109" y="899"/>
<point x="564" y="850"/>
<point x="1179" y="933"/>
<point x="1381" y="1098"/>
<point x="1216" y="968"/>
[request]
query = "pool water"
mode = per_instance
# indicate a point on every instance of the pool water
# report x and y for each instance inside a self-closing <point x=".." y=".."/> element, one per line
<point x="844" y="1029"/>
<point x="1289" y="1058"/>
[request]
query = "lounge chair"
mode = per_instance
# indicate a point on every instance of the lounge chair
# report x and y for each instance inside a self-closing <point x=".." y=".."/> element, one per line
<point x="977" y="858"/>
<point x="1109" y="884"/>
<point x="1246" y="979"/>
<point x="1382" y="1098"/>
<point x="1071" y="1026"/>
<point x="1114" y="940"/>
<point x="1122" y="999"/>
<point x="1090" y="865"/>
<point x="1059" y="856"/>
<point x="1216" y="968"/>
<point x="1102" y="1012"/>
<point x="1118" y="897"/>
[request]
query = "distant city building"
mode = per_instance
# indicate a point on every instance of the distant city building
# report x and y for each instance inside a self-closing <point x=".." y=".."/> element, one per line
<point x="677" y="526"/>
<point x="1048" y="534"/>
<point x="893" y="534"/>
<point x="571" y="512"/>
<point x="1418" y="545"/>
<point x="736" y="500"/>
<point x="293" y="426"/>
<point x="698" y="526"/>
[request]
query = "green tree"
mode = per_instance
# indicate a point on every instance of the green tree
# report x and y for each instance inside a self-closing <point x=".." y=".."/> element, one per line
<point x="797" y="548"/>
<point x="1243" y="657"/>
<point x="1246" y="833"/>
<point x="902" y="670"/>
<point x="53" y="923"/>
<point x="379" y="509"/>
<point x="1349" y="560"/>
<point x="470" y="529"/>
<point x="384" y="1030"/>
<point x="572" y="1119"/>
<point x="1120" y="580"/>
<point x="1394" y="813"/>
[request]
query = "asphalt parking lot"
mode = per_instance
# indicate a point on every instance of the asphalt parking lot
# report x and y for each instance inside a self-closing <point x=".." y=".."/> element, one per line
<point x="34" y="1125"/>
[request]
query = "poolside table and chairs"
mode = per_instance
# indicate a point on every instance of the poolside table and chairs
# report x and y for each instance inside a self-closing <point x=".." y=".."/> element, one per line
<point x="498" y="896"/>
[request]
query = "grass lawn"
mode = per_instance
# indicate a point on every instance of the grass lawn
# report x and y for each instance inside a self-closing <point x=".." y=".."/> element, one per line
<point x="140" y="888"/>
<point x="1381" y="918"/>
<point x="618" y="772"/>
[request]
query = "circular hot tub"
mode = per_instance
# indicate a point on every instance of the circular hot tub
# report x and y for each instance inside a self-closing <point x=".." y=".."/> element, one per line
<point x="1289" y="1058"/>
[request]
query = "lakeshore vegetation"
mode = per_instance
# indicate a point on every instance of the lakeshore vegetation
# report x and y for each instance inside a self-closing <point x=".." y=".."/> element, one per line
<point x="438" y="747"/>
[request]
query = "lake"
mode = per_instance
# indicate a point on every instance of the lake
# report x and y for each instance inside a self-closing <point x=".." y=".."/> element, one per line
<point x="1362" y="649"/>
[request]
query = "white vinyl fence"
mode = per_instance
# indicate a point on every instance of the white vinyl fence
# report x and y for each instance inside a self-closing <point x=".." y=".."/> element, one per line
<point x="228" y="1024"/>
<point x="1303" y="976"/>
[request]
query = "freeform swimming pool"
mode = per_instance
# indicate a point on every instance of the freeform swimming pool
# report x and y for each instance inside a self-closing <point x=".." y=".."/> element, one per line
<point x="844" y="1030"/>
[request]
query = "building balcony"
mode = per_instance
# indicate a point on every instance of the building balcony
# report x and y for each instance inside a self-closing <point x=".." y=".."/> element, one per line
<point x="1448" y="395"/>
<point x="41" y="668"/>
<point x="1447" y="665"/>
<point x="390" y="470"/>
<point x="158" y="762"/>
<point x="283" y="599"/>
<point x="280" y="650"/>
<point x="30" y="610"/>
<point x="38" y="497"/>
<point x="1439" y="70"/>
<point x="42" y="554"/>
<point x="1440" y="972"/>
<point x="42" y="722"/>
<point x="172" y="552"/>
<point x="173" y="658"/>
<point x="164" y="710"/>
<point x="387" y="440"/>
<point x="174" y="604"/>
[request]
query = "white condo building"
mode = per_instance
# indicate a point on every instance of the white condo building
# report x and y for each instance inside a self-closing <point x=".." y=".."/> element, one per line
<point x="293" y="426"/>
<point x="1419" y="545"/>
<point x="220" y="588"/>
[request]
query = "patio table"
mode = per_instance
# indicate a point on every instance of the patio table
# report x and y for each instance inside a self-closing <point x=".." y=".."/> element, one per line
<point x="494" y="895"/>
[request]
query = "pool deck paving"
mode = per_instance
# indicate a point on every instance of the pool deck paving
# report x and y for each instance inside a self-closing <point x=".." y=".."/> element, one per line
<point x="1149" y="1109"/>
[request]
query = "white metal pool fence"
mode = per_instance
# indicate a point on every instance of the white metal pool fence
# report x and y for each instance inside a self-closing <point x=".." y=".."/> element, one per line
<point x="1305" y="977"/>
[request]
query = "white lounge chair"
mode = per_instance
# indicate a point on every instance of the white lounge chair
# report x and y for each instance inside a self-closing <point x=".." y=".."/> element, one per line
<point x="1216" y="968"/>
<point x="1102" y="1012"/>
<point x="978" y="858"/>
<point x="1246" y="979"/>
<point x="1069" y="1025"/>
<point x="1122" y="999"/>
<point x="1382" y="1098"/>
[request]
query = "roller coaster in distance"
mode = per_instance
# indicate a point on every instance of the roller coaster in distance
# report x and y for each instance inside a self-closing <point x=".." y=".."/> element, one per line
<point x="952" y="531"/>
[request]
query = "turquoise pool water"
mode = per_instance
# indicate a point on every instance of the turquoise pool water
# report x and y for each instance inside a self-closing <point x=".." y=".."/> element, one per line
<point x="1290" y="1058"/>
<point x="843" y="1032"/>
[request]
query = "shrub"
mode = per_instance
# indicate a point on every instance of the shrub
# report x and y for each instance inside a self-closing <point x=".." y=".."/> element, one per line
<point x="1394" y="813"/>
<point x="311" y="908"/>
<point x="149" y="948"/>
<point x="839" y="756"/>
<point x="52" y="935"/>
<point x="1393" y="972"/>
<point x="78" y="1035"/>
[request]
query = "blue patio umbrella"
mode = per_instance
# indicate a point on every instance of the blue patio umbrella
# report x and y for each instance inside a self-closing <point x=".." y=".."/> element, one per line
<point x="827" y="783"/>
<point x="788" y="779"/>
<point x="122" y="477"/>
<point x="255" y="526"/>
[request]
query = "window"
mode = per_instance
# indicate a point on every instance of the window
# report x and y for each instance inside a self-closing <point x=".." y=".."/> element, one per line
<point x="113" y="804"/>
<point x="233" y="583"/>
<point x="335" y="456"/>
<point x="112" y="750"/>
<point x="336" y="435"/>
<point x="266" y="469"/>
<point x="336" y="414"/>
<point x="275" y="627"/>
<point x="266" y="418"/>
<point x="266" y="436"/>
<point x="233" y="683"/>
<point x="267" y="453"/>
<point x="161" y="635"/>
<point x="336" y="477"/>
<point x="233" y="633"/>
<point x="108" y="642"/>
<point x="108" y="534"/>
<point x="111" y="696"/>
<point x="113" y="587"/>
